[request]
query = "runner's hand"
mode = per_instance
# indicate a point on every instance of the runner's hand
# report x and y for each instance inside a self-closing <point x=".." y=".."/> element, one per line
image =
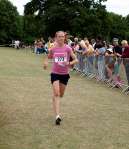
<point x="45" y="65"/>
<point x="66" y="63"/>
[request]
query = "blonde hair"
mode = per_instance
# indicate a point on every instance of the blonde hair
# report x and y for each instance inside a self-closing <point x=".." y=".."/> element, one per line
<point x="82" y="44"/>
<point x="59" y="32"/>
<point x="87" y="42"/>
<point x="124" y="42"/>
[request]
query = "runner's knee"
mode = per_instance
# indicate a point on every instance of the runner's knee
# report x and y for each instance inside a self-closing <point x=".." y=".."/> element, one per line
<point x="56" y="94"/>
<point x="61" y="95"/>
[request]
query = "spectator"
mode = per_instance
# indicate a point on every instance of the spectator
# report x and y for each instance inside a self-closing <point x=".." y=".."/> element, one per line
<point x="117" y="50"/>
<point x="35" y="46"/>
<point x="17" y="44"/>
<point x="100" y="52"/>
<point x="39" y="47"/>
<point x="109" y="63"/>
<point x="80" y="49"/>
<point x="93" y="42"/>
<point x="89" y="59"/>
<point x="76" y="40"/>
<point x="125" y="56"/>
<point x="50" y="43"/>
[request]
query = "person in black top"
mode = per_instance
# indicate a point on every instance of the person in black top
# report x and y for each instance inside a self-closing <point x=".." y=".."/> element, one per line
<point x="99" y="43"/>
<point x="117" y="49"/>
<point x="125" y="56"/>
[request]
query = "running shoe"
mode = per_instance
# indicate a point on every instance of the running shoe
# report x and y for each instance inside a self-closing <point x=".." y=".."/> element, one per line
<point x="58" y="120"/>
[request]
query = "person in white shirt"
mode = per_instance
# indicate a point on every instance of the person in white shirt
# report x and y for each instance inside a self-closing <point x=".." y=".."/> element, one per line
<point x="17" y="44"/>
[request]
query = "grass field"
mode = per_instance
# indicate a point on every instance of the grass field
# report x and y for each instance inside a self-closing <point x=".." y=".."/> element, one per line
<point x="94" y="116"/>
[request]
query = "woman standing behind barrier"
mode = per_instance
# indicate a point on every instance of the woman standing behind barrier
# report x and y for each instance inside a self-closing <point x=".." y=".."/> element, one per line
<point x="60" y="54"/>
<point x="99" y="53"/>
<point x="117" y="50"/>
<point x="125" y="56"/>
<point x="81" y="48"/>
<point x="39" y="47"/>
<point x="109" y="63"/>
<point x="89" y="57"/>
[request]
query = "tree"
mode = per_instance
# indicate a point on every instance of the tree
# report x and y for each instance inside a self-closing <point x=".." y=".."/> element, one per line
<point x="79" y="17"/>
<point x="119" y="26"/>
<point x="33" y="28"/>
<point x="127" y="27"/>
<point x="67" y="15"/>
<point x="10" y="24"/>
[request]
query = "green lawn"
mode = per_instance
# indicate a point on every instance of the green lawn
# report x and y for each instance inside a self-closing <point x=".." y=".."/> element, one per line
<point x="94" y="116"/>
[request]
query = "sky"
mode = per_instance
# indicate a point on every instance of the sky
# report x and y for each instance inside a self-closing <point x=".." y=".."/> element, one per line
<point x="117" y="6"/>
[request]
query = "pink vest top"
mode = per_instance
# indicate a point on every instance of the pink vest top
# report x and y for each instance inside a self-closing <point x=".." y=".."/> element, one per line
<point x="60" y="55"/>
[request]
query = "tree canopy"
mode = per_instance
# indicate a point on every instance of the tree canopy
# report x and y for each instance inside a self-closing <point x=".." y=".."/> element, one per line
<point x="42" y="18"/>
<point x="79" y="17"/>
<point x="10" y="22"/>
<point x="76" y="16"/>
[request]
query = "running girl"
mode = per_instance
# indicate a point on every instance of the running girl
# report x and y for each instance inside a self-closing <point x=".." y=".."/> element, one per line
<point x="60" y="53"/>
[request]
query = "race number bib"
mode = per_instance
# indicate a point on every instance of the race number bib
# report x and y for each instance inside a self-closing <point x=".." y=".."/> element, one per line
<point x="59" y="58"/>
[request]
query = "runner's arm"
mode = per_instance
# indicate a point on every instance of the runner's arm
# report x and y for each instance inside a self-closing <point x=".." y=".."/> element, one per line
<point x="75" y="60"/>
<point x="48" y="56"/>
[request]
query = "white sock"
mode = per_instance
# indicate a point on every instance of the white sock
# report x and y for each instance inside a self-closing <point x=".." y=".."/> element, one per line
<point x="57" y="116"/>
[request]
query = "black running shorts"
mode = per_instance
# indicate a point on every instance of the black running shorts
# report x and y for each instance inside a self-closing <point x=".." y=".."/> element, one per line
<point x="61" y="78"/>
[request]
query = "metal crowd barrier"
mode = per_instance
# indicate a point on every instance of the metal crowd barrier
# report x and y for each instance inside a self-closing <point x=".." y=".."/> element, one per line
<point x="112" y="71"/>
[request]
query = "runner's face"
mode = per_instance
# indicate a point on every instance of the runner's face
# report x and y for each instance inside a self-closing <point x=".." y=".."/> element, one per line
<point x="60" y="38"/>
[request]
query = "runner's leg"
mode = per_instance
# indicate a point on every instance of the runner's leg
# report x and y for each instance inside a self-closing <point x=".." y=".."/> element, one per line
<point x="62" y="89"/>
<point x="56" y="97"/>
